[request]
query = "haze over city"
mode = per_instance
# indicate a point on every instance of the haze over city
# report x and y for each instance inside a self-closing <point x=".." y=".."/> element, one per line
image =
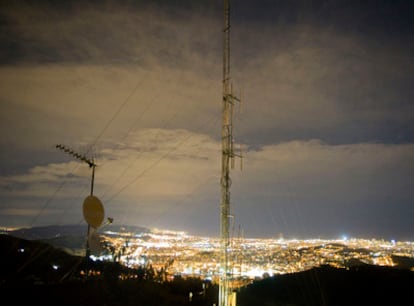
<point x="325" y="125"/>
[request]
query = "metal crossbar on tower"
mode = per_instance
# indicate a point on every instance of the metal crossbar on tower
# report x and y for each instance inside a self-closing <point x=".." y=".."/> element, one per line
<point x="226" y="296"/>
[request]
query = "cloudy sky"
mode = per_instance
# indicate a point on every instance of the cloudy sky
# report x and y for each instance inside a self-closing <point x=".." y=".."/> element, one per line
<point x="325" y="127"/>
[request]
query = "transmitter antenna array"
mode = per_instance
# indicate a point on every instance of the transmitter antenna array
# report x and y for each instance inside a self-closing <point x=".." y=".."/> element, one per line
<point x="226" y="294"/>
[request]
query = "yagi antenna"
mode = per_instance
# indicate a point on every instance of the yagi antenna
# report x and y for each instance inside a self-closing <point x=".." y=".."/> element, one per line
<point x="76" y="155"/>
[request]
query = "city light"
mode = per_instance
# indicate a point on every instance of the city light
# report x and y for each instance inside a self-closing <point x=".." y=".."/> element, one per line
<point x="179" y="253"/>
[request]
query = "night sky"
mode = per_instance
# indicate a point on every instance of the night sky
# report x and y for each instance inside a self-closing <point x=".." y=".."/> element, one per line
<point x="325" y="127"/>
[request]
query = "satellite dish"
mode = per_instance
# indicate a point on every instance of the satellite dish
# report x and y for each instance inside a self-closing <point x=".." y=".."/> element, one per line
<point x="93" y="211"/>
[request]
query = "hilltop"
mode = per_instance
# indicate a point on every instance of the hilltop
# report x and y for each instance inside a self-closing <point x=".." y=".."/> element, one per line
<point x="70" y="238"/>
<point x="55" y="231"/>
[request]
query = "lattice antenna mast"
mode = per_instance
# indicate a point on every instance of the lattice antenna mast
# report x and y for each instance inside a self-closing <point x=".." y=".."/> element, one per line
<point x="225" y="291"/>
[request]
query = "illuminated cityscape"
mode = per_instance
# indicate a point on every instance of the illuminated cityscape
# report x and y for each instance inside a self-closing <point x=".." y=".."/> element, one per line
<point x="179" y="254"/>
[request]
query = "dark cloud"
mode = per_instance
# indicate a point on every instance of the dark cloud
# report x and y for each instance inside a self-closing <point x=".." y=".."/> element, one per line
<point x="341" y="87"/>
<point x="103" y="32"/>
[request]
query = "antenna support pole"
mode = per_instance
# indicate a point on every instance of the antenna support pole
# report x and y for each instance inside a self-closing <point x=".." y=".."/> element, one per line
<point x="92" y="165"/>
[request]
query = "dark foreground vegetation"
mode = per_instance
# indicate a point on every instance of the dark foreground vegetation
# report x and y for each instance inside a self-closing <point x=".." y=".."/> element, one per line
<point x="36" y="273"/>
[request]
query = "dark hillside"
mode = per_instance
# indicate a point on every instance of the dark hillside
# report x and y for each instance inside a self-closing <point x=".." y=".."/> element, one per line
<point x="362" y="285"/>
<point x="25" y="261"/>
<point x="34" y="272"/>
